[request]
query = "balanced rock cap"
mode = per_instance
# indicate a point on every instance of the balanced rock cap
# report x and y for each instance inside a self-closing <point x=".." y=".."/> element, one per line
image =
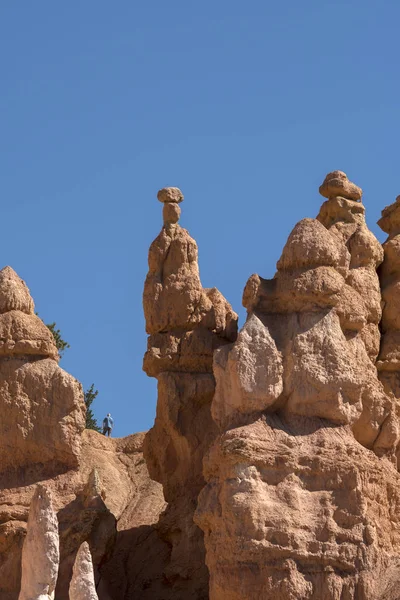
<point x="170" y="194"/>
<point x="337" y="184"/>
<point x="390" y="220"/>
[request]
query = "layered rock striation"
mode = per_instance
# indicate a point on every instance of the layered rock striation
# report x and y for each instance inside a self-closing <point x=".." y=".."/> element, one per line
<point x="302" y="492"/>
<point x="185" y="323"/>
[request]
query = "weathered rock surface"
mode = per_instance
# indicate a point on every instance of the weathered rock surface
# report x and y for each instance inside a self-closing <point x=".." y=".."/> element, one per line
<point x="388" y="362"/>
<point x="389" y="358"/>
<point x="296" y="505"/>
<point x="277" y="449"/>
<point x="82" y="585"/>
<point x="44" y="401"/>
<point x="108" y="501"/>
<point x="295" y="509"/>
<point x="100" y="487"/>
<point x="337" y="184"/>
<point x="186" y="324"/>
<point x="40" y="554"/>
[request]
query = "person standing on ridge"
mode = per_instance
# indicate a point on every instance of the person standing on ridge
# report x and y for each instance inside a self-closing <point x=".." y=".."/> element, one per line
<point x="108" y="424"/>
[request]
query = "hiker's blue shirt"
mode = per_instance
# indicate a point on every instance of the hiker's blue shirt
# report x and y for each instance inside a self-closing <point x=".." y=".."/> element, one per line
<point x="108" y="422"/>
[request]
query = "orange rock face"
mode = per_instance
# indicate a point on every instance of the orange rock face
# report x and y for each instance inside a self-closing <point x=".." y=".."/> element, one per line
<point x="45" y="401"/>
<point x="275" y="452"/>
<point x="302" y="486"/>
<point x="296" y="508"/>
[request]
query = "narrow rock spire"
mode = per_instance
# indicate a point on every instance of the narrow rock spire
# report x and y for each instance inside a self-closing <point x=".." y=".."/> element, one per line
<point x="343" y="214"/>
<point x="185" y="323"/>
<point x="82" y="583"/>
<point x="170" y="197"/>
<point x="40" y="553"/>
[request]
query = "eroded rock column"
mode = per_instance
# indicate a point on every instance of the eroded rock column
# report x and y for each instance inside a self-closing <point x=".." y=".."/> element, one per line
<point x="343" y="214"/>
<point x="82" y="584"/>
<point x="296" y="505"/>
<point x="40" y="553"/>
<point x="185" y="323"/>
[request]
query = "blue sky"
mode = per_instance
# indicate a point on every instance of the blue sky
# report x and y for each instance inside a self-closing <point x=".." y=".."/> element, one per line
<point x="244" y="106"/>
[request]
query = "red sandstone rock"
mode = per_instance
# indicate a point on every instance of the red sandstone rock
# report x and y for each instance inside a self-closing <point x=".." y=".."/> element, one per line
<point x="187" y="323"/>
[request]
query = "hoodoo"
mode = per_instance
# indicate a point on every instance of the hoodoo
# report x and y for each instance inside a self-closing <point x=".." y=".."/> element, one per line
<point x="274" y="455"/>
<point x="302" y="491"/>
<point x="185" y="323"/>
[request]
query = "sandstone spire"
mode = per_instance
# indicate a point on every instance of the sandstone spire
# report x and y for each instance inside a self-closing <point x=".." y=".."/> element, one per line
<point x="186" y="323"/>
<point x="343" y="214"/>
<point x="327" y="274"/>
<point x="299" y="406"/>
<point x="42" y="402"/>
<point x="40" y="554"/>
<point x="82" y="584"/>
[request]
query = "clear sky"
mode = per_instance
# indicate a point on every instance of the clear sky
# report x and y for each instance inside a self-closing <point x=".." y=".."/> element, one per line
<point x="243" y="105"/>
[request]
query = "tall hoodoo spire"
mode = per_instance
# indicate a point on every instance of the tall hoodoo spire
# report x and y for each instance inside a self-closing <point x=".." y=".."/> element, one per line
<point x="343" y="214"/>
<point x="185" y="323"/>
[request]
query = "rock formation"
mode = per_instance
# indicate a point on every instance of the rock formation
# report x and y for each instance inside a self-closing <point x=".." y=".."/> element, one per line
<point x="389" y="359"/>
<point x="277" y="448"/>
<point x="40" y="554"/>
<point x="296" y="505"/>
<point x="44" y="401"/>
<point x="114" y="508"/>
<point x="185" y="323"/>
<point x="96" y="483"/>
<point x="82" y="584"/>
